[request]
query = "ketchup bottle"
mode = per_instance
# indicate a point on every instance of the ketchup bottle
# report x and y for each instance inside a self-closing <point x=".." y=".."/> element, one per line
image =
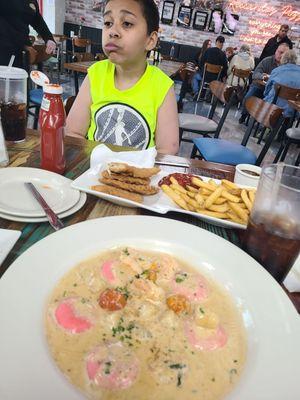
<point x="52" y="120"/>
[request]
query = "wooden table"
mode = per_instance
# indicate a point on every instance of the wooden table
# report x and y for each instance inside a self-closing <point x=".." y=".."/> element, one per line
<point x="169" y="67"/>
<point x="27" y="154"/>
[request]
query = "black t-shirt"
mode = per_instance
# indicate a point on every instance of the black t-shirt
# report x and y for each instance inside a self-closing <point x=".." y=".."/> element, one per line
<point x="15" y="18"/>
<point x="217" y="57"/>
<point x="271" y="46"/>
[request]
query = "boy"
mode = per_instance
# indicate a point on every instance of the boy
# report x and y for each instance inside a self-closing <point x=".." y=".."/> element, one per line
<point x="123" y="100"/>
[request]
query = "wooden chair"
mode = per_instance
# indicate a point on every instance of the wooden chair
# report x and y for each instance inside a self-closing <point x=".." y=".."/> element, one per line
<point x="208" y="69"/>
<point x="84" y="47"/>
<point x="68" y="103"/>
<point x="292" y="136"/>
<point x="228" y="152"/>
<point x="185" y="73"/>
<point x="285" y="93"/>
<point x="242" y="75"/>
<point x="205" y="125"/>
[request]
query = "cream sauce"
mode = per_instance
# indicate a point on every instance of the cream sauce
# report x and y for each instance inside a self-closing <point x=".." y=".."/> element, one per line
<point x="145" y="350"/>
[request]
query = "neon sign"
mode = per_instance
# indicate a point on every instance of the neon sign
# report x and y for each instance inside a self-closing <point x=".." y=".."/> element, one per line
<point x="286" y="11"/>
<point x="259" y="31"/>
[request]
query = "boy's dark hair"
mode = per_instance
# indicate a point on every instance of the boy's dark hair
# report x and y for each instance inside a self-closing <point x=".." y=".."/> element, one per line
<point x="220" y="39"/>
<point x="150" y="13"/>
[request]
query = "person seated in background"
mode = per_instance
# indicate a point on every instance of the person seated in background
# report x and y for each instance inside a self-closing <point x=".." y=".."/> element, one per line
<point x="123" y="100"/>
<point x="273" y="43"/>
<point x="261" y="74"/>
<point x="215" y="56"/>
<point x="287" y="74"/>
<point x="229" y="51"/>
<point x="242" y="60"/>
<point x="197" y="76"/>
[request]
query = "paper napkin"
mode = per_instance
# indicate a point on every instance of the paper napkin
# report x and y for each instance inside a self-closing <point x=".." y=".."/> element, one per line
<point x="141" y="158"/>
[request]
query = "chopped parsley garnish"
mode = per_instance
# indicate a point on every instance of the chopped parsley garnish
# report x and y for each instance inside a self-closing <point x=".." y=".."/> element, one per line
<point x="83" y="300"/>
<point x="180" y="277"/>
<point x="107" y="367"/>
<point x="235" y="361"/>
<point x="179" y="379"/>
<point x="177" y="366"/>
<point x="213" y="379"/>
<point x="201" y="310"/>
<point x="126" y="252"/>
<point x="232" y="372"/>
<point x="123" y="332"/>
<point x="124" y="291"/>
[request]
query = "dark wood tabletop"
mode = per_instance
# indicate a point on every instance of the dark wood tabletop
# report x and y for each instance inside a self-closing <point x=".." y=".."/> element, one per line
<point x="27" y="154"/>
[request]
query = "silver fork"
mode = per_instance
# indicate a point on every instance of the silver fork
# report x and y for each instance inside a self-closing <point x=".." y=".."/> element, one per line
<point x="53" y="219"/>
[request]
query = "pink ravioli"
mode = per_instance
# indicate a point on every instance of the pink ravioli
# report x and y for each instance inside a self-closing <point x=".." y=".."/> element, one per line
<point x="67" y="318"/>
<point x="197" y="292"/>
<point x="112" y="367"/>
<point x="107" y="272"/>
<point x="215" y="341"/>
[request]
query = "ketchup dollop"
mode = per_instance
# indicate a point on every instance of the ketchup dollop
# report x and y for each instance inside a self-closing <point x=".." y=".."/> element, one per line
<point x="182" y="179"/>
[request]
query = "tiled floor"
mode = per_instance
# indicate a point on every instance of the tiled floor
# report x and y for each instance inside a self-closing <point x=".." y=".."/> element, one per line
<point x="231" y="130"/>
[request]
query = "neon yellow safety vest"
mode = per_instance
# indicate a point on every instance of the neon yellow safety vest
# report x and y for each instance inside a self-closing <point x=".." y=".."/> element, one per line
<point x="125" y="117"/>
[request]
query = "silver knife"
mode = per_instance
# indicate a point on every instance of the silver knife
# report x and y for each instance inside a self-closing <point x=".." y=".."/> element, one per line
<point x="55" y="222"/>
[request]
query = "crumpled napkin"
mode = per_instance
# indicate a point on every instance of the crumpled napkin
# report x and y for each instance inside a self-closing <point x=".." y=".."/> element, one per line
<point x="292" y="281"/>
<point x="139" y="158"/>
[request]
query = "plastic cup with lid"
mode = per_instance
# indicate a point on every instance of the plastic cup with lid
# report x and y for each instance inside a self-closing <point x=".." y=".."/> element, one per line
<point x="13" y="102"/>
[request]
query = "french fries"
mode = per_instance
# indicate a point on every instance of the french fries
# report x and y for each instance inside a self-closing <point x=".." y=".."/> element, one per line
<point x="225" y="200"/>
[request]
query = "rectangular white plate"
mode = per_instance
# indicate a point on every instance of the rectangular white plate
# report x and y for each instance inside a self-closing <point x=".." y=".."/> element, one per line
<point x="159" y="203"/>
<point x="8" y="238"/>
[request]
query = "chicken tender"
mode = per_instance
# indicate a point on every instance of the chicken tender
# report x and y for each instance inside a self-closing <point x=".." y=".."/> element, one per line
<point x="118" y="192"/>
<point x="126" y="178"/>
<point x="131" y="187"/>
<point x="123" y="168"/>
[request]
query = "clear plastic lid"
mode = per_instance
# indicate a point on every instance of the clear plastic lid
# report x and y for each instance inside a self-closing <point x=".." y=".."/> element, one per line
<point x="12" y="73"/>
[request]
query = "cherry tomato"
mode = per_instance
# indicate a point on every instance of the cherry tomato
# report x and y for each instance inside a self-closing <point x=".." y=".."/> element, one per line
<point x="112" y="300"/>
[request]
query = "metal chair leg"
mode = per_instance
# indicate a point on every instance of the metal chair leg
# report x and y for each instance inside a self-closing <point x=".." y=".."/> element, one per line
<point x="194" y="152"/>
<point x="285" y="150"/>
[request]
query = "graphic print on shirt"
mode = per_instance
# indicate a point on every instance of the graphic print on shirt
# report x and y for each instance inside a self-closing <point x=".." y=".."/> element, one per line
<point x="120" y="124"/>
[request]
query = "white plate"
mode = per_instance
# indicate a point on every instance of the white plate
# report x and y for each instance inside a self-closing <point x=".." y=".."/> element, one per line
<point x="70" y="211"/>
<point x="8" y="238"/>
<point x="159" y="203"/>
<point x="15" y="198"/>
<point x="273" y="326"/>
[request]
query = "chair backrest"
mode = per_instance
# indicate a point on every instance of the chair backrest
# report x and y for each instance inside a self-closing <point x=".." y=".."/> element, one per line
<point x="241" y="73"/>
<point x="68" y="103"/>
<point x="79" y="57"/>
<point x="264" y="113"/>
<point x="221" y="91"/>
<point x="212" y="68"/>
<point x="79" y="42"/>
<point x="285" y="92"/>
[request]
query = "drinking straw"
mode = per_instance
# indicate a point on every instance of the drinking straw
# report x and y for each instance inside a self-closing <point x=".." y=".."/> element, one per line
<point x="276" y="184"/>
<point x="10" y="64"/>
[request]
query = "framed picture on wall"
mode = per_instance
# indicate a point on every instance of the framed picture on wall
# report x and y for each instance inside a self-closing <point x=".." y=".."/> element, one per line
<point x="227" y="26"/>
<point x="184" y="16"/>
<point x="168" y="12"/>
<point x="216" y="15"/>
<point x="200" y="20"/>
